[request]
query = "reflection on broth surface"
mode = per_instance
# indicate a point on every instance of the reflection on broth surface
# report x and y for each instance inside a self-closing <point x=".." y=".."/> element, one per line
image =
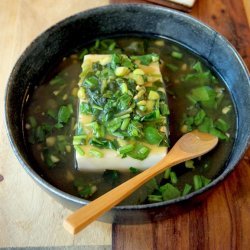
<point x="197" y="99"/>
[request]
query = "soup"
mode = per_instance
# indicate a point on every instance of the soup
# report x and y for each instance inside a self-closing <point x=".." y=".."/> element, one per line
<point x="197" y="99"/>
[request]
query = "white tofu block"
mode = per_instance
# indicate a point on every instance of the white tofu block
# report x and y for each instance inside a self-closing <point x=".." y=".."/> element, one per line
<point x="111" y="159"/>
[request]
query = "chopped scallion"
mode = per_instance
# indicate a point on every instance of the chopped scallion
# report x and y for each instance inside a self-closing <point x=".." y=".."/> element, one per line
<point x="167" y="173"/>
<point x="134" y="170"/>
<point x="173" y="177"/>
<point x="96" y="153"/>
<point x="176" y="55"/>
<point x="154" y="198"/>
<point x="187" y="189"/>
<point x="152" y="135"/>
<point x="189" y="164"/>
<point x="126" y="149"/>
<point x="169" y="192"/>
<point x="79" y="150"/>
<point x="197" y="182"/>
<point x="140" y="152"/>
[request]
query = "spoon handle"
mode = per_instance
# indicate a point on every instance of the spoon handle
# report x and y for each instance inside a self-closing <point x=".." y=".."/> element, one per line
<point x="189" y="146"/>
<point x="87" y="214"/>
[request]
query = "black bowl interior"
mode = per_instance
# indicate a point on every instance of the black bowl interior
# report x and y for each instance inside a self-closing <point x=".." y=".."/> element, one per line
<point x="72" y="33"/>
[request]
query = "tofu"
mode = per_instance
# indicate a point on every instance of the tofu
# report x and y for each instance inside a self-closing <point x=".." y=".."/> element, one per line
<point x="109" y="158"/>
<point x="112" y="160"/>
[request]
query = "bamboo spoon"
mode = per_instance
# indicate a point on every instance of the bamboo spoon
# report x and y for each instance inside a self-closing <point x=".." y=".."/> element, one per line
<point x="189" y="146"/>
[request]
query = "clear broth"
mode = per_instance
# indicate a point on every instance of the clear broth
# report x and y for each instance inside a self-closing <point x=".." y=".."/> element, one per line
<point x="63" y="175"/>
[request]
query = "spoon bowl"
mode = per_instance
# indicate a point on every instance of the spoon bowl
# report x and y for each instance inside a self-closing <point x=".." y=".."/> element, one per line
<point x="189" y="146"/>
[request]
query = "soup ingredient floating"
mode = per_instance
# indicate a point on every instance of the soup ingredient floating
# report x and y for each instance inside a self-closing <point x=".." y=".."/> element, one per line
<point x="122" y="116"/>
<point x="189" y="146"/>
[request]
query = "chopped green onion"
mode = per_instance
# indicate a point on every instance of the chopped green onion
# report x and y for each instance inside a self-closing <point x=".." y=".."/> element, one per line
<point x="140" y="152"/>
<point x="173" y="177"/>
<point x="84" y="190"/>
<point x="96" y="153"/>
<point x="97" y="43"/>
<point x="111" y="176"/>
<point x="169" y="192"/>
<point x="126" y="149"/>
<point x="199" y="117"/>
<point x="115" y="61"/>
<point x="197" y="67"/>
<point x="172" y="67"/>
<point x="114" y="124"/>
<point x="124" y="112"/>
<point x="98" y="129"/>
<point x="189" y="164"/>
<point x="222" y="125"/>
<point x="83" y="53"/>
<point x="57" y="80"/>
<point x="97" y="107"/>
<point x="40" y="134"/>
<point x="59" y="125"/>
<point x="91" y="82"/>
<point x="164" y="109"/>
<point x="187" y="189"/>
<point x="203" y="93"/>
<point x="32" y="121"/>
<point x="167" y="173"/>
<point x="79" y="139"/>
<point x="52" y="113"/>
<point x="104" y="143"/>
<point x="152" y="135"/>
<point x="176" y="55"/>
<point x="206" y="125"/>
<point x="191" y="99"/>
<point x="146" y="59"/>
<point x="218" y="134"/>
<point x="205" y="181"/>
<point x="135" y="129"/>
<point x="85" y="108"/>
<point x="87" y="191"/>
<point x="124" y="88"/>
<point x="153" y="116"/>
<point x="152" y="184"/>
<point x="154" y="198"/>
<point x="124" y="102"/>
<point x="125" y="123"/>
<point x="64" y="114"/>
<point x="79" y="150"/>
<point x="197" y="182"/>
<point x="134" y="170"/>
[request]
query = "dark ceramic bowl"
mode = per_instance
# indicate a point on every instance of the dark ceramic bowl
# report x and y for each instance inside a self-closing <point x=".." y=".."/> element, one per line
<point x="116" y="20"/>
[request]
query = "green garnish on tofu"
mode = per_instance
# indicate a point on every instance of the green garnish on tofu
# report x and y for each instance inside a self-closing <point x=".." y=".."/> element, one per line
<point x="121" y="98"/>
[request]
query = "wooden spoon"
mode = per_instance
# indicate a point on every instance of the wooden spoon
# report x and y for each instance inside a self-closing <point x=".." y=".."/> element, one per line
<point x="189" y="146"/>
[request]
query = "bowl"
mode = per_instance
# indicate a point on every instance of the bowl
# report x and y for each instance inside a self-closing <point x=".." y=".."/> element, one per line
<point x="116" y="20"/>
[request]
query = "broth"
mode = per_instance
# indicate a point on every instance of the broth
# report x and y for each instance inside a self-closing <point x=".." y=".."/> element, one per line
<point x="50" y="140"/>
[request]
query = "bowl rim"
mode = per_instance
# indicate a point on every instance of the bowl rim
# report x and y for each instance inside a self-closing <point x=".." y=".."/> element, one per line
<point x="80" y="201"/>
